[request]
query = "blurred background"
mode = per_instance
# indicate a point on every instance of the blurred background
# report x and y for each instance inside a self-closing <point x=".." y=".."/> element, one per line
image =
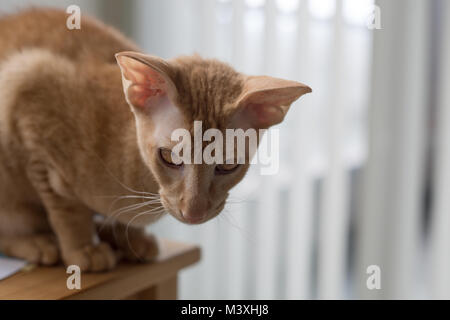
<point x="364" y="174"/>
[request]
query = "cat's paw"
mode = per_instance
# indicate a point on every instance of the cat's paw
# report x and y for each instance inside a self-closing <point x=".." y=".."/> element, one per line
<point x="92" y="258"/>
<point x="140" y="247"/>
<point x="39" y="249"/>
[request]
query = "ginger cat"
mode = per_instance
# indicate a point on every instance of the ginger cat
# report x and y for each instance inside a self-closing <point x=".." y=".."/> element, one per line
<point x="72" y="145"/>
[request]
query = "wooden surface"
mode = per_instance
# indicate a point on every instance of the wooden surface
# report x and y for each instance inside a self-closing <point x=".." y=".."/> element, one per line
<point x="155" y="280"/>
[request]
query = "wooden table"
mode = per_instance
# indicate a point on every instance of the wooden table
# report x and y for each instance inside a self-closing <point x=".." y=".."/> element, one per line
<point x="156" y="280"/>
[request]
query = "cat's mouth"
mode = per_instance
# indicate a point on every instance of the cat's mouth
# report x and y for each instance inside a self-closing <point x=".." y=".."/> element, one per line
<point x="220" y="207"/>
<point x="178" y="214"/>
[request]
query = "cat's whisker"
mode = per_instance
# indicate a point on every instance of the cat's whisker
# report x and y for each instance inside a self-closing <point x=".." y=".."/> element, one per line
<point x="128" y="197"/>
<point x="154" y="195"/>
<point x="115" y="221"/>
<point x="156" y="211"/>
<point x="148" y="211"/>
<point x="134" y="206"/>
<point x="236" y="200"/>
<point x="126" y="209"/>
<point x="244" y="233"/>
<point x="138" y="197"/>
<point x="132" y="197"/>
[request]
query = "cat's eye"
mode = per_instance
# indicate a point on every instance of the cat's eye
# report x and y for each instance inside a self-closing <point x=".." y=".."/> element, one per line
<point x="226" y="168"/>
<point x="169" y="158"/>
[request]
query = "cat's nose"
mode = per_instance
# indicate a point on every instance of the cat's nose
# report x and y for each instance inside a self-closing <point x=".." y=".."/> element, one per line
<point x="195" y="211"/>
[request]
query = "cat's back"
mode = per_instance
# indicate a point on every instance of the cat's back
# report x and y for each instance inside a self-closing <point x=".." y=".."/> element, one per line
<point x="49" y="74"/>
<point x="47" y="29"/>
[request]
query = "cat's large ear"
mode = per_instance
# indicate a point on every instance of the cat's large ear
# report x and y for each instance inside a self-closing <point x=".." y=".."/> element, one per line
<point x="146" y="79"/>
<point x="266" y="100"/>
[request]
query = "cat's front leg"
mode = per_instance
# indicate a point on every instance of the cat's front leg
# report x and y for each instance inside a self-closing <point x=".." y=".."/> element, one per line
<point x="71" y="221"/>
<point x="135" y="244"/>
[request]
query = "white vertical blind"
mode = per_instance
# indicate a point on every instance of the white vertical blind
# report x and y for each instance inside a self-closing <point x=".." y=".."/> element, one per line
<point x="389" y="221"/>
<point x="334" y="216"/>
<point x="300" y="229"/>
<point x="440" y="230"/>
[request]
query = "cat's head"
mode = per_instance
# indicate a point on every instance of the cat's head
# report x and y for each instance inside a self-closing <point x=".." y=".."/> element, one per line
<point x="166" y="95"/>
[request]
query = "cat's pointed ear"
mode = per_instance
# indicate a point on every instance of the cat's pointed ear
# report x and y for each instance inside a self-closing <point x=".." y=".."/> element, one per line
<point x="146" y="79"/>
<point x="265" y="101"/>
